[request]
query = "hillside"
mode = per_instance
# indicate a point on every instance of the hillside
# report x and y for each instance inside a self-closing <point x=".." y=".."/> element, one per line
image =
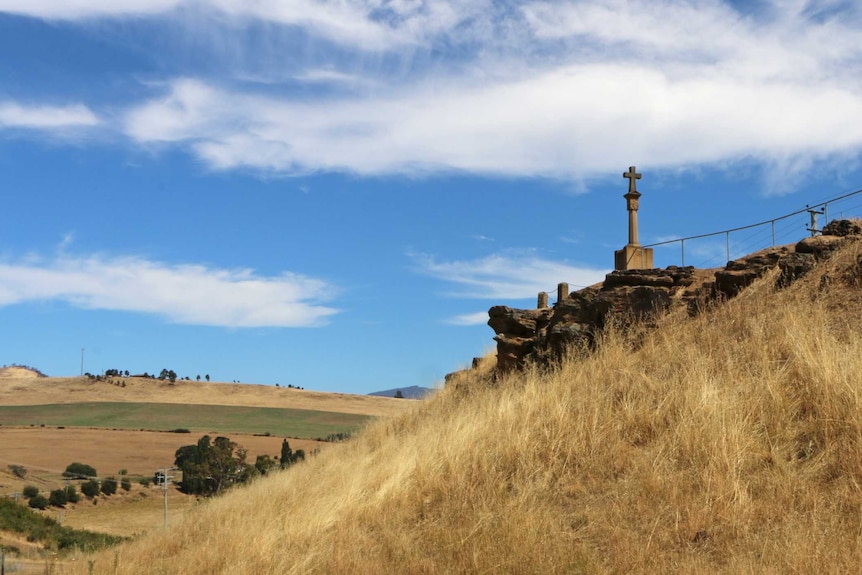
<point x="19" y="388"/>
<point x="724" y="443"/>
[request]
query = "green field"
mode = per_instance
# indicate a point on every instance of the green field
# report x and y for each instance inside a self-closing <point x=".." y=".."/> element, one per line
<point x="299" y="423"/>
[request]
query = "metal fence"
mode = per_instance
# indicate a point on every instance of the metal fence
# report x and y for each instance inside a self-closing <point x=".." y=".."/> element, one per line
<point x="715" y="249"/>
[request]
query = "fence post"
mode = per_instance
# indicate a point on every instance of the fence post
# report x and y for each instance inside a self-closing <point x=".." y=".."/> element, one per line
<point x="543" y="300"/>
<point x="562" y="292"/>
<point x="727" y="236"/>
<point x="682" y="246"/>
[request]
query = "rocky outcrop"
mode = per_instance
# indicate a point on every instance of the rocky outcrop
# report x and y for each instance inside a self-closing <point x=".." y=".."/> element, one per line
<point x="641" y="295"/>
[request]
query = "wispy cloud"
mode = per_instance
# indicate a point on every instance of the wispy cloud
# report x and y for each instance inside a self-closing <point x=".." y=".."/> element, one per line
<point x="506" y="276"/>
<point x="15" y="115"/>
<point x="367" y="24"/>
<point x="184" y="294"/>
<point x="561" y="89"/>
<point x="478" y="318"/>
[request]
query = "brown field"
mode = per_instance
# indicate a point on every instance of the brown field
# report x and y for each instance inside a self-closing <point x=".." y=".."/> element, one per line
<point x="46" y="451"/>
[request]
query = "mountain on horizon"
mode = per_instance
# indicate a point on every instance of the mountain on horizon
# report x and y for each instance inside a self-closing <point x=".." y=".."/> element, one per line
<point x="412" y="392"/>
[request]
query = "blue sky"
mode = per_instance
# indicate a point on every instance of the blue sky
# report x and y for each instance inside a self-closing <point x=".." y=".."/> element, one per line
<point x="331" y="194"/>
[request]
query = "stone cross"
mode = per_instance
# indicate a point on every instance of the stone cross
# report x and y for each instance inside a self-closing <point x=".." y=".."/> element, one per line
<point x="632" y="204"/>
<point x="633" y="256"/>
<point x="633" y="177"/>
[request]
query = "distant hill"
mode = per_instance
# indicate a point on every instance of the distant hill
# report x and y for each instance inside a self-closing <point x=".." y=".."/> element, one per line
<point x="412" y="392"/>
<point x="19" y="371"/>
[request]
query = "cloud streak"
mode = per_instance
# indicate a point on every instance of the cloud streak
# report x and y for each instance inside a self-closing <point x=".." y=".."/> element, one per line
<point x="183" y="294"/>
<point x="505" y="276"/>
<point x="15" y="115"/>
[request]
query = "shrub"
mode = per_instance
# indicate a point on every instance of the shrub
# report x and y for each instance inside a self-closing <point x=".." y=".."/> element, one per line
<point x="38" y="502"/>
<point x="79" y="471"/>
<point x="145" y="481"/>
<point x="90" y="488"/>
<point x="180" y="430"/>
<point x="125" y="484"/>
<point x="30" y="491"/>
<point x="58" y="498"/>
<point x="109" y="486"/>
<point x="18" y="471"/>
<point x="72" y="494"/>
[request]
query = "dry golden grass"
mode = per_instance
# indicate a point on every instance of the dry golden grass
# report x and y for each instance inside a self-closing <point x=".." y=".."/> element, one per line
<point x="18" y="388"/>
<point x="727" y="443"/>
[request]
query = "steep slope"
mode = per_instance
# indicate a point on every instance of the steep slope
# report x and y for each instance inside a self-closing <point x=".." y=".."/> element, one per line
<point x="726" y="443"/>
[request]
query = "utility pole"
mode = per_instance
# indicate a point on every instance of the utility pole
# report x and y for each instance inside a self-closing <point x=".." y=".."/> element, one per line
<point x="82" y="361"/>
<point x="814" y="213"/>
<point x="165" y="480"/>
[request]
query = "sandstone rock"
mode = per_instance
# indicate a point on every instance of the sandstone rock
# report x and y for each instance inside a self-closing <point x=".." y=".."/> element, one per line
<point x="843" y="228"/>
<point x="821" y="246"/>
<point x="641" y="295"/>
<point x="793" y="267"/>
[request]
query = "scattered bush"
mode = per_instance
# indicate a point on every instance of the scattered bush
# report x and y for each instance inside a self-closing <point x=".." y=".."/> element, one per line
<point x="145" y="481"/>
<point x="264" y="463"/>
<point x="18" y="471"/>
<point x="90" y="488"/>
<point x="109" y="486"/>
<point x="30" y="491"/>
<point x="38" y="502"/>
<point x="79" y="471"/>
<point x="72" y="494"/>
<point x="58" y="498"/>
<point x="16" y="518"/>
<point x="125" y="484"/>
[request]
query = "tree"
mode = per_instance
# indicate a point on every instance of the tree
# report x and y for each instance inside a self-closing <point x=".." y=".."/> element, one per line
<point x="90" y="488"/>
<point x="79" y="471"/>
<point x="109" y="486"/>
<point x="38" y="502"/>
<point x="399" y="395"/>
<point x="207" y="376"/>
<point x="30" y="491"/>
<point x="288" y="456"/>
<point x="199" y="377"/>
<point x="58" y="498"/>
<point x="172" y="376"/>
<point x="263" y="464"/>
<point x="125" y="484"/>
<point x="210" y="467"/>
<point x="72" y="494"/>
<point x="126" y="373"/>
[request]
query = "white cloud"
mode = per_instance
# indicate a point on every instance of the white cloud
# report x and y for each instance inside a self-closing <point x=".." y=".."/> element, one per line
<point x="575" y="121"/>
<point x="14" y="115"/>
<point x="184" y="294"/>
<point x="505" y="276"/>
<point x="566" y="89"/>
<point x="478" y="318"/>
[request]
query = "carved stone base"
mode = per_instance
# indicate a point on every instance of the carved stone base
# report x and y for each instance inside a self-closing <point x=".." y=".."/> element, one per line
<point x="633" y="258"/>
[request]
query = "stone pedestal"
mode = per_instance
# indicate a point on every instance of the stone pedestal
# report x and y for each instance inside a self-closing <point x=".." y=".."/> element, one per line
<point x="633" y="258"/>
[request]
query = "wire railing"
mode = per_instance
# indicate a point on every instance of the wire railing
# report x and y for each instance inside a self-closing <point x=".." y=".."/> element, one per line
<point x="744" y="240"/>
<point x="704" y="251"/>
